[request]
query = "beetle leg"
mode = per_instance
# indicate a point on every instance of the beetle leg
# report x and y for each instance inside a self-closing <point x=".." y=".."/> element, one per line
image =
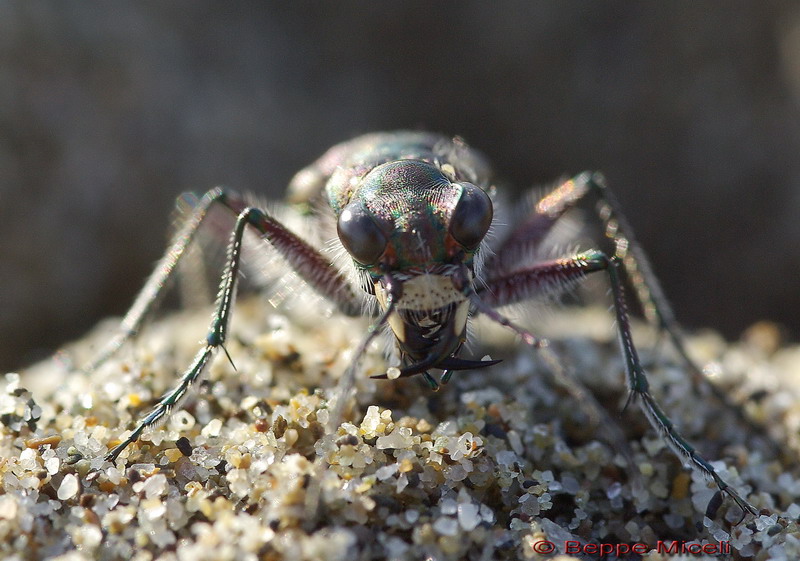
<point x="216" y="337"/>
<point x="638" y="387"/>
<point x="303" y="258"/>
<point x="519" y="287"/>
<point x="649" y="294"/>
<point x="532" y="228"/>
<point x="514" y="287"/>
<point x="651" y="298"/>
<point x="654" y="304"/>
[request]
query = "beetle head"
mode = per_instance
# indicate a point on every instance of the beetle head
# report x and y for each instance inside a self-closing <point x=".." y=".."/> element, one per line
<point x="408" y="215"/>
<point x="409" y="224"/>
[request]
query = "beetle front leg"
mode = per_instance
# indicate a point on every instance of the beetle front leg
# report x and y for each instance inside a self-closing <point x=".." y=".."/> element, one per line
<point x="638" y="386"/>
<point x="655" y="306"/>
<point x="306" y="260"/>
<point x="649" y="294"/>
<point x="532" y="229"/>
<point x="517" y="286"/>
<point x="216" y="337"/>
<point x="303" y="258"/>
<point x="550" y="276"/>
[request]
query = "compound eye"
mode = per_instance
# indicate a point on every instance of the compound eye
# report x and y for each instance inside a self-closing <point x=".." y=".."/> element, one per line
<point x="472" y="216"/>
<point x="360" y="234"/>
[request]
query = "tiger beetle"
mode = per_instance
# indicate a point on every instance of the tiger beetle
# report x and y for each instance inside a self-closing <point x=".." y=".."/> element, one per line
<point x="412" y="210"/>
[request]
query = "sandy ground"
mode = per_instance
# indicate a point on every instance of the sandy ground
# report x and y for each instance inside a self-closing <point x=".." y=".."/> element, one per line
<point x="501" y="463"/>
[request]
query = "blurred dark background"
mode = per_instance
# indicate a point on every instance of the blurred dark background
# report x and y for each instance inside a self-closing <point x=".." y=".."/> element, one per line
<point x="108" y="111"/>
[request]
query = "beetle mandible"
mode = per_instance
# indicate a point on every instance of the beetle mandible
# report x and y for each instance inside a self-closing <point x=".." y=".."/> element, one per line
<point x="412" y="210"/>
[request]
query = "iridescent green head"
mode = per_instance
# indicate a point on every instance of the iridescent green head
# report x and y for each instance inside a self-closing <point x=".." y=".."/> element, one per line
<point x="408" y="215"/>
